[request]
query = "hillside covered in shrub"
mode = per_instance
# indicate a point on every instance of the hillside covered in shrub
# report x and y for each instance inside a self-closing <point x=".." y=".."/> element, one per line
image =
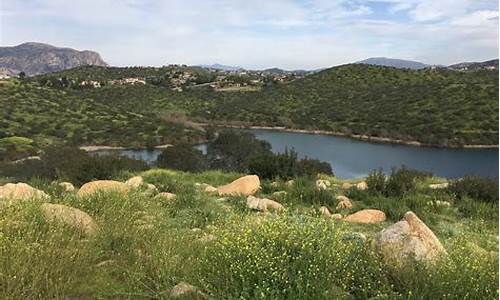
<point x="436" y="107"/>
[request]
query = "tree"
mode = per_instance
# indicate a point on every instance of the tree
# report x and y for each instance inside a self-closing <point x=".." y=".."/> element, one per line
<point x="182" y="157"/>
<point x="233" y="150"/>
<point x="22" y="75"/>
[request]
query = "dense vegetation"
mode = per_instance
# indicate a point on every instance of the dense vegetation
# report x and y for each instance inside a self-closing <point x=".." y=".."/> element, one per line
<point x="241" y="152"/>
<point x="439" y="107"/>
<point x="146" y="245"/>
<point x="47" y="115"/>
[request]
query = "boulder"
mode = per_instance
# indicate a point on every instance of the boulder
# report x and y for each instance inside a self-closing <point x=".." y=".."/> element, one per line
<point x="279" y="194"/>
<point x="346" y="185"/>
<point x="70" y="216"/>
<point x="151" y="187"/>
<point x="135" y="182"/>
<point x="323" y="210"/>
<point x="166" y="196"/>
<point x="438" y="186"/>
<point x="322" y="184"/>
<point x="290" y="183"/>
<point x="67" y="186"/>
<point x="366" y="216"/>
<point x="362" y="186"/>
<point x="184" y="290"/>
<point x="337" y="216"/>
<point x="20" y="191"/>
<point x="407" y="241"/>
<point x="263" y="204"/>
<point x="343" y="203"/>
<point x="93" y="187"/>
<point x="245" y="186"/>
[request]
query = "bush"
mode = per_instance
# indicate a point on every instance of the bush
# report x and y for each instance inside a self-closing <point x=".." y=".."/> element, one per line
<point x="476" y="187"/>
<point x="233" y="150"/>
<point x="286" y="165"/>
<point x="182" y="157"/>
<point x="71" y="164"/>
<point x="403" y="180"/>
<point x="15" y="147"/>
<point x="376" y="182"/>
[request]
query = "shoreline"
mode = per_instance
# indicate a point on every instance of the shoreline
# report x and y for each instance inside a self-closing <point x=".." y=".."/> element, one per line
<point x="360" y="137"/>
<point x="104" y="147"/>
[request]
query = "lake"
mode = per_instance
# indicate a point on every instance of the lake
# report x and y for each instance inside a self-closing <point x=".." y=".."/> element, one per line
<point x="352" y="158"/>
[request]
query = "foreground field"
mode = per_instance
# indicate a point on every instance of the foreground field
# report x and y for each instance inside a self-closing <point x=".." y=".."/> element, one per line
<point x="201" y="245"/>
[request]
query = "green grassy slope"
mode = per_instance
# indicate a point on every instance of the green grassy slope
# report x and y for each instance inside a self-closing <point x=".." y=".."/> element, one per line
<point x="145" y="245"/>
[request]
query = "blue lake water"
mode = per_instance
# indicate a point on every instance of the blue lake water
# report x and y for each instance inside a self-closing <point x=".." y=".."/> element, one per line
<point x="353" y="158"/>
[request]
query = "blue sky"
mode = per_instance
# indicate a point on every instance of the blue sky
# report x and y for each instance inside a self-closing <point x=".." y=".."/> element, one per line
<point x="305" y="34"/>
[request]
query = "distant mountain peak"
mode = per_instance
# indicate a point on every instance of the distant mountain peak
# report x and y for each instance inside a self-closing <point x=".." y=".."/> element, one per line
<point x="393" y="62"/>
<point x="35" y="58"/>
<point x="217" y="66"/>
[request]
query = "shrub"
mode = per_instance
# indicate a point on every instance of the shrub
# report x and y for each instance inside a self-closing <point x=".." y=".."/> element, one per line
<point x="182" y="157"/>
<point x="376" y="182"/>
<point x="286" y="165"/>
<point x="15" y="147"/>
<point x="403" y="180"/>
<point x="233" y="150"/>
<point x="77" y="166"/>
<point x="479" y="188"/>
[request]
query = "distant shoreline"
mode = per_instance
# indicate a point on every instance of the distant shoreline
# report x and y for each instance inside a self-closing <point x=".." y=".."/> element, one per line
<point x="103" y="147"/>
<point x="366" y="138"/>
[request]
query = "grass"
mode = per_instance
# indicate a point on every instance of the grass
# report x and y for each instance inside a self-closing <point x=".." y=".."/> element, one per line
<point x="144" y="245"/>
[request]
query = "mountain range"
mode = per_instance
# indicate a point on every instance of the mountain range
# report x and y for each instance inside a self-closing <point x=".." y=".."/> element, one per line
<point x="392" y="62"/>
<point x="221" y="67"/>
<point x="38" y="58"/>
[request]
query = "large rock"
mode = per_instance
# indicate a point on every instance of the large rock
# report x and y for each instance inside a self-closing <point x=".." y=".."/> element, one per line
<point x="362" y="186"/>
<point x="366" y="216"/>
<point x="67" y="186"/>
<point x="343" y="203"/>
<point x="93" y="187"/>
<point x="346" y="185"/>
<point x="263" y="204"/>
<point x="407" y="241"/>
<point x="245" y="186"/>
<point x="324" y="211"/>
<point x="70" y="216"/>
<point x="135" y="182"/>
<point x="20" y="191"/>
<point x="322" y="184"/>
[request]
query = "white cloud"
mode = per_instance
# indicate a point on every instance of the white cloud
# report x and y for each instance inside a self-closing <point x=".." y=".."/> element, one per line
<point x="259" y="33"/>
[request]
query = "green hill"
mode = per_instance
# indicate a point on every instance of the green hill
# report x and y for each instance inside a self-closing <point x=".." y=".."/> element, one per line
<point x="431" y="106"/>
<point x="437" y="107"/>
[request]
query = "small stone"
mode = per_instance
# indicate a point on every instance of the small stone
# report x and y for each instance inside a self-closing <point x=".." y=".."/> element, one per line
<point x="185" y="290"/>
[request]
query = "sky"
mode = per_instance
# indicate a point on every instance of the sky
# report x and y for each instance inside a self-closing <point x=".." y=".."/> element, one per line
<point x="256" y="34"/>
